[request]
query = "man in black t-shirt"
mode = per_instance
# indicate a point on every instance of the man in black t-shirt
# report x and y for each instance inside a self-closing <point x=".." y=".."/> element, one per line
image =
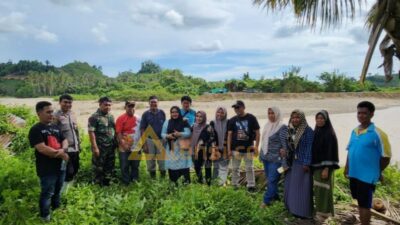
<point x="243" y="130"/>
<point x="51" y="157"/>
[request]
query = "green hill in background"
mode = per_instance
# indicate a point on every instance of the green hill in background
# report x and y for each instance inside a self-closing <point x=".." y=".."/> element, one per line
<point x="77" y="68"/>
<point x="34" y="79"/>
<point x="379" y="81"/>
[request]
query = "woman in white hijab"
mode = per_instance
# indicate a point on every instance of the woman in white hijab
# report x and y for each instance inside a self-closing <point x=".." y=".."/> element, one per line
<point x="273" y="140"/>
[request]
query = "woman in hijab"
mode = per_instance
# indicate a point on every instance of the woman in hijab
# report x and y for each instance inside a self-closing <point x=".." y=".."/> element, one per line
<point x="273" y="142"/>
<point x="298" y="180"/>
<point x="325" y="159"/>
<point x="203" y="140"/>
<point x="220" y="124"/>
<point x="178" y="158"/>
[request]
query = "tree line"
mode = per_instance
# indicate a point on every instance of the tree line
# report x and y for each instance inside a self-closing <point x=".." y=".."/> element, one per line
<point x="34" y="79"/>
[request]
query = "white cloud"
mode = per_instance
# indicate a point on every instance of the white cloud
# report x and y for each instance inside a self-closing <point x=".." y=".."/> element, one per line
<point x="174" y="18"/>
<point x="12" y="22"/>
<point x="69" y="2"/>
<point x="60" y="2"/>
<point x="216" y="45"/>
<point x="84" y="8"/>
<point x="145" y="12"/>
<point x="79" y="5"/>
<point x="359" y="34"/>
<point x="180" y="13"/>
<point x="15" y="23"/>
<point x="225" y="32"/>
<point x="204" y="13"/>
<point x="288" y="31"/>
<point x="99" y="32"/>
<point x="44" y="35"/>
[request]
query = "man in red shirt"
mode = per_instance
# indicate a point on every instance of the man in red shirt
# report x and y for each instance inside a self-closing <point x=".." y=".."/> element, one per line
<point x="128" y="133"/>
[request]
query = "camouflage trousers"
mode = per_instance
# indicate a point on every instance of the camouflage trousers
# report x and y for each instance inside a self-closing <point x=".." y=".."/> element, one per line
<point x="104" y="165"/>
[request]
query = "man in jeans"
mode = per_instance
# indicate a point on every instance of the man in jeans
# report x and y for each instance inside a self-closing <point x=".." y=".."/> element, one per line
<point x="153" y="119"/>
<point x="65" y="119"/>
<point x="128" y="135"/>
<point x="243" y="130"/>
<point x="50" y="152"/>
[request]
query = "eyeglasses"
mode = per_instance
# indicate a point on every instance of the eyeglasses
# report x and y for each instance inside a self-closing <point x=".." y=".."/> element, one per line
<point x="130" y="106"/>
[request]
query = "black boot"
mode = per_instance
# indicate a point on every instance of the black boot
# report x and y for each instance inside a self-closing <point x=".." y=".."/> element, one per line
<point x="153" y="174"/>
<point x="162" y="174"/>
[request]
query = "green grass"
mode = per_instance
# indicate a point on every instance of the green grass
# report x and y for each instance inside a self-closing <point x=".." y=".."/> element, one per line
<point x="146" y="202"/>
<point x="389" y="89"/>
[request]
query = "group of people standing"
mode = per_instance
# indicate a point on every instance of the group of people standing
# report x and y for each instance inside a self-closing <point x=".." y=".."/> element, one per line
<point x="57" y="145"/>
<point x="307" y="158"/>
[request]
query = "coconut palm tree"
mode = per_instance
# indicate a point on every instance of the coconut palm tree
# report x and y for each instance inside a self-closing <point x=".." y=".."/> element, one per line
<point x="384" y="15"/>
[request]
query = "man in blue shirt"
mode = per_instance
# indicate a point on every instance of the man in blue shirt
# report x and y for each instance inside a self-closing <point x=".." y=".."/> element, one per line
<point x="153" y="118"/>
<point x="368" y="155"/>
<point x="188" y="113"/>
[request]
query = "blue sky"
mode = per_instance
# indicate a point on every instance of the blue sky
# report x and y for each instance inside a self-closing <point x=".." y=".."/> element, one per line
<point x="212" y="39"/>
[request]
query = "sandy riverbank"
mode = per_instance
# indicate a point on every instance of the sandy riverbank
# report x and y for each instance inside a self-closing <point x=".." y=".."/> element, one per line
<point x="342" y="109"/>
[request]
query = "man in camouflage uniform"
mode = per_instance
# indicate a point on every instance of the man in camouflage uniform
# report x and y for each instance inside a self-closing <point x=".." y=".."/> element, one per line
<point x="102" y="138"/>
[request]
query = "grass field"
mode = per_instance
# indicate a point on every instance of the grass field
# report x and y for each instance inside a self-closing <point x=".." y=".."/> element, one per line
<point x="146" y="202"/>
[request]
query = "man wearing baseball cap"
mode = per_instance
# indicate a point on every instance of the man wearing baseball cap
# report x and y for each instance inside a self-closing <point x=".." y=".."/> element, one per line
<point x="127" y="129"/>
<point x="243" y="131"/>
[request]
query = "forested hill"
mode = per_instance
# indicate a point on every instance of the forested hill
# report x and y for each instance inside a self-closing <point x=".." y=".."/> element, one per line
<point x="34" y="79"/>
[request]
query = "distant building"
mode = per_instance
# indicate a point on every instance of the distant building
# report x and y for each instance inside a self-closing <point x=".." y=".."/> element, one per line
<point x="219" y="91"/>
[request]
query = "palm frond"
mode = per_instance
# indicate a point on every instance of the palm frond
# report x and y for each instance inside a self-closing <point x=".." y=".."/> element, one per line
<point x="272" y="4"/>
<point x="372" y="14"/>
<point x="327" y="13"/>
<point x="375" y="14"/>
